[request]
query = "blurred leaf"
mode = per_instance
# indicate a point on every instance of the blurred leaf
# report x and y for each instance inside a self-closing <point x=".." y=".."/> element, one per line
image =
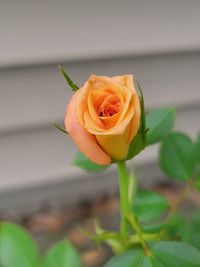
<point x="194" y="230"/>
<point x="129" y="259"/>
<point x="197" y="147"/>
<point x="149" y="205"/>
<point x="177" y="227"/>
<point x="163" y="254"/>
<point x="68" y="79"/>
<point x="60" y="128"/>
<point x="159" y="122"/>
<point x="154" y="227"/>
<point x="179" y="254"/>
<point x="177" y="156"/>
<point x="196" y="174"/>
<point x="17" y="248"/>
<point x="185" y="228"/>
<point x="84" y="163"/>
<point x="139" y="141"/>
<point x="62" y="255"/>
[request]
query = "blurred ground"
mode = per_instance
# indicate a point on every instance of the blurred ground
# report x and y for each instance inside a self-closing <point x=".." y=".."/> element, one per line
<point x="50" y="225"/>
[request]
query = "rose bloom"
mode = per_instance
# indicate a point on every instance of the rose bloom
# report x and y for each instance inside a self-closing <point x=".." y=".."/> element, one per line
<point x="103" y="117"/>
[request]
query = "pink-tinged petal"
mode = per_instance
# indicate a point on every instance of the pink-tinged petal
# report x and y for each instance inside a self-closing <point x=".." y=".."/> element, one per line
<point x="81" y="103"/>
<point x="85" y="141"/>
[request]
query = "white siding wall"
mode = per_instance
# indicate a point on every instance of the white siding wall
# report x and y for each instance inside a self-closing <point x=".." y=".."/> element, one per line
<point x="157" y="41"/>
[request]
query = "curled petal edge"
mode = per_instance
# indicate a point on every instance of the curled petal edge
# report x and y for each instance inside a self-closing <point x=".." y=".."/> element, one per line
<point x="85" y="141"/>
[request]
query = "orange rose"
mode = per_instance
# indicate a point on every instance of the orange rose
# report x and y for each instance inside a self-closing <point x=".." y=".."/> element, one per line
<point x="103" y="117"/>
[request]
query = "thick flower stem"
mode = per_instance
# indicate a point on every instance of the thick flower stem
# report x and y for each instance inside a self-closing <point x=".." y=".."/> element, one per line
<point x="124" y="202"/>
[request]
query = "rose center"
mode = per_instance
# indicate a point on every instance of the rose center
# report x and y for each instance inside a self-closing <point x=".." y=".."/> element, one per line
<point x="109" y="110"/>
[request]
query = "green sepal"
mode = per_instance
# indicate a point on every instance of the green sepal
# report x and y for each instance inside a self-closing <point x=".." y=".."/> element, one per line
<point x="139" y="141"/>
<point x="60" y="128"/>
<point x="84" y="163"/>
<point x="68" y="79"/>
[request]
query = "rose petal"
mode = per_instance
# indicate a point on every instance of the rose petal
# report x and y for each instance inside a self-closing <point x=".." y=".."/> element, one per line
<point x="124" y="81"/>
<point x="135" y="123"/>
<point x="103" y="83"/>
<point x="115" y="145"/>
<point x="95" y="99"/>
<point x="117" y="129"/>
<point x="84" y="140"/>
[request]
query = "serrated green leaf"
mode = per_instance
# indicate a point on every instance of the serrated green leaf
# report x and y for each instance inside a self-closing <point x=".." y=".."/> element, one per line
<point x="160" y="123"/>
<point x="163" y="254"/>
<point x="63" y="255"/>
<point x="84" y="163"/>
<point x="171" y="253"/>
<point x="17" y="248"/>
<point x="193" y="236"/>
<point x="139" y="141"/>
<point x="68" y="79"/>
<point x="177" y="156"/>
<point x="149" y="205"/>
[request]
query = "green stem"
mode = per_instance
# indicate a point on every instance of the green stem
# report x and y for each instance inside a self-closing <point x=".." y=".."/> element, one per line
<point x="124" y="202"/>
<point x="125" y="208"/>
<point x="134" y="239"/>
<point x="133" y="221"/>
